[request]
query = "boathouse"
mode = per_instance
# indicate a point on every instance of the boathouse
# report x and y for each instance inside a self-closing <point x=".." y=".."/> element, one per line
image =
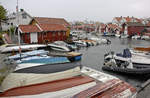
<point x="42" y="33"/>
<point x="47" y="20"/>
<point x="133" y="28"/>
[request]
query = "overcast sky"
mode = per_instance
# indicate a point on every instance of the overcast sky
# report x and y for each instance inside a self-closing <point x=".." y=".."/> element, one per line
<point x="71" y="10"/>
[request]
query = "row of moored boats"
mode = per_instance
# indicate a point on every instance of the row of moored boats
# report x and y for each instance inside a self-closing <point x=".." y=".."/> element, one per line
<point x="42" y="73"/>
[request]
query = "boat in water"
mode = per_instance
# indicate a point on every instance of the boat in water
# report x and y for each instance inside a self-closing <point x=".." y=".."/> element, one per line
<point x="140" y="53"/>
<point x="28" y="54"/>
<point x="59" y="46"/>
<point x="124" y="67"/>
<point x="81" y="43"/>
<point x="126" y="56"/>
<point x="147" y="49"/>
<point x="72" y="56"/>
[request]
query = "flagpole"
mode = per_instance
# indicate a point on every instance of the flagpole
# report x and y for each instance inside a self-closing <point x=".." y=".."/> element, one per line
<point x="18" y="29"/>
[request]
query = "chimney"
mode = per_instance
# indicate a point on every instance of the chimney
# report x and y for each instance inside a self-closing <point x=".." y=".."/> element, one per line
<point x="133" y="19"/>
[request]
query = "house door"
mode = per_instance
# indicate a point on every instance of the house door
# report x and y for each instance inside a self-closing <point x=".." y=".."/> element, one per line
<point x="34" y="38"/>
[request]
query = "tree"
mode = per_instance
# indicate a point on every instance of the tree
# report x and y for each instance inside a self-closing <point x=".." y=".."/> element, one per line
<point x="3" y="13"/>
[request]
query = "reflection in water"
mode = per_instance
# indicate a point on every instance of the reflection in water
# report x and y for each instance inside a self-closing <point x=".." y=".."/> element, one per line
<point x="94" y="56"/>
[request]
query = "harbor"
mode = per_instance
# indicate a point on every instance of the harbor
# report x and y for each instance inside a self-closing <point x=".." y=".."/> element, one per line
<point x="68" y="51"/>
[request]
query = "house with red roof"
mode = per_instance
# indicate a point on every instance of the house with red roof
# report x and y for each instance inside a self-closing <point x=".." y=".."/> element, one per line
<point x="42" y="33"/>
<point x="121" y="20"/>
<point x="133" y="28"/>
<point x="112" y="28"/>
<point x="42" y="30"/>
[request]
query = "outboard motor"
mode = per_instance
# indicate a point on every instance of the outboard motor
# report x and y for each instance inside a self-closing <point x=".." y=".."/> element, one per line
<point x="127" y="53"/>
<point x="108" y="41"/>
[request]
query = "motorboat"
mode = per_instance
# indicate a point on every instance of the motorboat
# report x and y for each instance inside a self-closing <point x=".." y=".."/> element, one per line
<point x="145" y="37"/>
<point x="90" y="42"/>
<point x="46" y="68"/>
<point x="44" y="60"/>
<point x="72" y="56"/>
<point x="117" y="35"/>
<point x="136" y="37"/>
<point x="124" y="36"/>
<point x="125" y="67"/>
<point x="28" y="54"/>
<point x="59" y="46"/>
<point x="14" y="48"/>
<point x="81" y="43"/>
<point x="140" y="53"/>
<point x="126" y="56"/>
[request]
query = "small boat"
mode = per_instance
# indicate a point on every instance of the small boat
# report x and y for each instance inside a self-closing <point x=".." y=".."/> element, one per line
<point x="142" y="49"/>
<point x="124" y="36"/>
<point x="44" y="60"/>
<point x="81" y="43"/>
<point x="136" y="37"/>
<point x="126" y="56"/>
<point x="8" y="48"/>
<point x="145" y="37"/>
<point x="90" y="42"/>
<point x="72" y="56"/>
<point x="19" y="61"/>
<point x="46" y="68"/>
<point x="140" y="53"/>
<point x="124" y="67"/>
<point x="108" y="34"/>
<point x="59" y="46"/>
<point x="117" y="35"/>
<point x="99" y="40"/>
<point x="28" y="54"/>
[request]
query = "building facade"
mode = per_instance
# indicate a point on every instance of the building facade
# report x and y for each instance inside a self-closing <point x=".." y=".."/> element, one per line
<point x="131" y="28"/>
<point x="43" y="33"/>
<point x="13" y="19"/>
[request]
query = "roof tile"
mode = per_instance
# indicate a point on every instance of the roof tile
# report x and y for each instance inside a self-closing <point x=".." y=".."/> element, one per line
<point x="52" y="27"/>
<point x="29" y="28"/>
<point x="45" y="20"/>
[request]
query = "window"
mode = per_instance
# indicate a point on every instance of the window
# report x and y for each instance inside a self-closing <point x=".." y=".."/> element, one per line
<point x="59" y="33"/>
<point x="24" y="15"/>
<point x="11" y="24"/>
<point x="53" y="34"/>
<point x="64" y="33"/>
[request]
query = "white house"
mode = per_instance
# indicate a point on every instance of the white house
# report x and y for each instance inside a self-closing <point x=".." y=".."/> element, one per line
<point x="23" y="18"/>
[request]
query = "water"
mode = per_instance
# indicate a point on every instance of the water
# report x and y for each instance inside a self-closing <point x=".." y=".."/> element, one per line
<point x="94" y="56"/>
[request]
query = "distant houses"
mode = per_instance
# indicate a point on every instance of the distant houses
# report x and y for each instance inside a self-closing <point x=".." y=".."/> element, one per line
<point x="121" y="20"/>
<point x="131" y="25"/>
<point x="133" y="28"/>
<point x="45" y="30"/>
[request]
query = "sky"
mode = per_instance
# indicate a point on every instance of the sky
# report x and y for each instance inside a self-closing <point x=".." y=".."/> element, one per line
<point x="81" y="10"/>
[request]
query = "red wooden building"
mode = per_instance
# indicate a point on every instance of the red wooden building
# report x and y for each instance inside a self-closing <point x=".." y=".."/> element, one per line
<point x="133" y="28"/>
<point x="42" y="33"/>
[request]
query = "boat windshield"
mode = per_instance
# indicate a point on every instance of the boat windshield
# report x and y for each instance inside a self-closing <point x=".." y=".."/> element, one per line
<point x="59" y="43"/>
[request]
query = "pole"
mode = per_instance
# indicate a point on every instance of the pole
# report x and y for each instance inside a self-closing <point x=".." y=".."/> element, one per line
<point x="18" y="30"/>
